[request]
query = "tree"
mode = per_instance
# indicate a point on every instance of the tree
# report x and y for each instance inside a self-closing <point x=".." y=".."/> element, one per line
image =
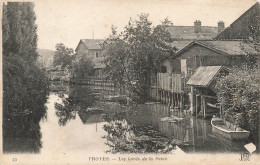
<point x="239" y="95"/>
<point x="82" y="67"/>
<point x="19" y="30"/>
<point x="25" y="86"/>
<point x="239" y="92"/>
<point x="134" y="54"/>
<point x="63" y="55"/>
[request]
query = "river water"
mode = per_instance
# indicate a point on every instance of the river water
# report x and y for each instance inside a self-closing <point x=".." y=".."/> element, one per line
<point x="78" y="131"/>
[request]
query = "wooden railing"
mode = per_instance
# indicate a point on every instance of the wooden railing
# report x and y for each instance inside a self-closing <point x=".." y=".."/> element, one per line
<point x="98" y="84"/>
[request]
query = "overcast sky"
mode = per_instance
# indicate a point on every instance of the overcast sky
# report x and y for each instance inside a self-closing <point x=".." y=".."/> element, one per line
<point x="68" y="21"/>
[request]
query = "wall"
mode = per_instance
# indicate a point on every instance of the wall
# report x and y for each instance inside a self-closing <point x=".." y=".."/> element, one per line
<point x="91" y="53"/>
<point x="200" y="56"/>
<point x="81" y="50"/>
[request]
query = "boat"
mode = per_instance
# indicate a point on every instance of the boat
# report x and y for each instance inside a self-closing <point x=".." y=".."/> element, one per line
<point x="228" y="130"/>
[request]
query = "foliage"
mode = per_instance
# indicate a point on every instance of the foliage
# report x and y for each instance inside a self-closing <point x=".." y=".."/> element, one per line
<point x="19" y="30"/>
<point x="134" y="54"/>
<point x="63" y="55"/>
<point x="239" y="95"/>
<point x="25" y="93"/>
<point x="25" y="87"/>
<point x="239" y="92"/>
<point x="65" y="111"/>
<point x="76" y="103"/>
<point x="125" y="138"/>
<point x="82" y="67"/>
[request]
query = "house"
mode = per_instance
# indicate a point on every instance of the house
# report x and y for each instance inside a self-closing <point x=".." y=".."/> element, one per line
<point x="183" y="36"/>
<point x="243" y="26"/>
<point x="202" y="60"/>
<point x="212" y="53"/>
<point x="196" y="32"/>
<point x="93" y="49"/>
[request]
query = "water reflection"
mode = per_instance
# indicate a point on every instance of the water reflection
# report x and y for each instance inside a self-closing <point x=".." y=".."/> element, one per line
<point x="79" y="100"/>
<point x="75" y="137"/>
<point x="21" y="134"/>
<point x="125" y="138"/>
<point x="23" y="144"/>
<point x="141" y="128"/>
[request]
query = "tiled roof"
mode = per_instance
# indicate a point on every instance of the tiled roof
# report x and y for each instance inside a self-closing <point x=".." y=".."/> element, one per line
<point x="204" y="76"/>
<point x="93" y="43"/>
<point x="180" y="44"/>
<point x="229" y="47"/>
<point x="187" y="32"/>
<point x="222" y="47"/>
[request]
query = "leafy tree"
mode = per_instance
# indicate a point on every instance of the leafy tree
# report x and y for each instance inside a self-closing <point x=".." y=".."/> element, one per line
<point x="239" y="92"/>
<point x="82" y="67"/>
<point x="134" y="54"/>
<point x="63" y="55"/>
<point x="19" y="30"/>
<point x="25" y="87"/>
<point x="239" y="95"/>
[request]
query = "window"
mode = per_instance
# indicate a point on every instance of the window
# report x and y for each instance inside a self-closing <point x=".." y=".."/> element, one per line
<point x="96" y="54"/>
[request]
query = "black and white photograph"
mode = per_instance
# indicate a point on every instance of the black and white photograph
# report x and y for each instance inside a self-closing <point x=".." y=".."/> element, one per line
<point x="130" y="82"/>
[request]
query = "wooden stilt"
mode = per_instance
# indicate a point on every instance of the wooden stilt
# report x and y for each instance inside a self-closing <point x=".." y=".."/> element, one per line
<point x="202" y="106"/>
<point x="181" y="101"/>
<point x="197" y="104"/>
<point x="192" y="100"/>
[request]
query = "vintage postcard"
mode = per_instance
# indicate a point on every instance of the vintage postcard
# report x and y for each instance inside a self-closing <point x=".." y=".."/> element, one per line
<point x="130" y="82"/>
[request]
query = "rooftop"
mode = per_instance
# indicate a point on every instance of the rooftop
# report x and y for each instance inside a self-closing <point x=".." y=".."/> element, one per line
<point x="227" y="47"/>
<point x="238" y="47"/>
<point x="187" y="32"/>
<point x="93" y="43"/>
<point x="204" y="76"/>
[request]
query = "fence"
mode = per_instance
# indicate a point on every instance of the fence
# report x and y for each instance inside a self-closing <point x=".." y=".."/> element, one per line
<point x="99" y="84"/>
<point x="170" y="82"/>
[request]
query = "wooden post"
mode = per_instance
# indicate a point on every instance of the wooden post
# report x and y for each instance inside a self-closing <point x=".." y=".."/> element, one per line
<point x="181" y="101"/>
<point x="204" y="106"/>
<point x="192" y="100"/>
<point x="172" y="99"/>
<point x="197" y="104"/>
<point x="168" y="97"/>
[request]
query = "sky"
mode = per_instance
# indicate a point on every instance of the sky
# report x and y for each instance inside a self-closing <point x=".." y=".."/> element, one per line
<point x="68" y="21"/>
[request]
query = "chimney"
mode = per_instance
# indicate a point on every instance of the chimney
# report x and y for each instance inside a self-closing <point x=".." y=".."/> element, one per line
<point x="221" y="26"/>
<point x="171" y="24"/>
<point x="197" y="26"/>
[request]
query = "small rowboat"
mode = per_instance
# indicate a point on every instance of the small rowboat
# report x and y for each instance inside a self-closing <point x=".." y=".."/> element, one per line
<point x="228" y="130"/>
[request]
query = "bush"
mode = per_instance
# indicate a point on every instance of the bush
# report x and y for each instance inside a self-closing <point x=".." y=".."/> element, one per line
<point x="239" y="94"/>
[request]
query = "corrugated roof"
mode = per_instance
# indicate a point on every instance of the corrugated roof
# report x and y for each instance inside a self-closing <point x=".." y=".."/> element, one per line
<point x="93" y="43"/>
<point x="187" y="32"/>
<point x="204" y="76"/>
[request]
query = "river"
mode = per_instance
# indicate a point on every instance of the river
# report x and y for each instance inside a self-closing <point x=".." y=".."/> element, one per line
<point x="78" y="131"/>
